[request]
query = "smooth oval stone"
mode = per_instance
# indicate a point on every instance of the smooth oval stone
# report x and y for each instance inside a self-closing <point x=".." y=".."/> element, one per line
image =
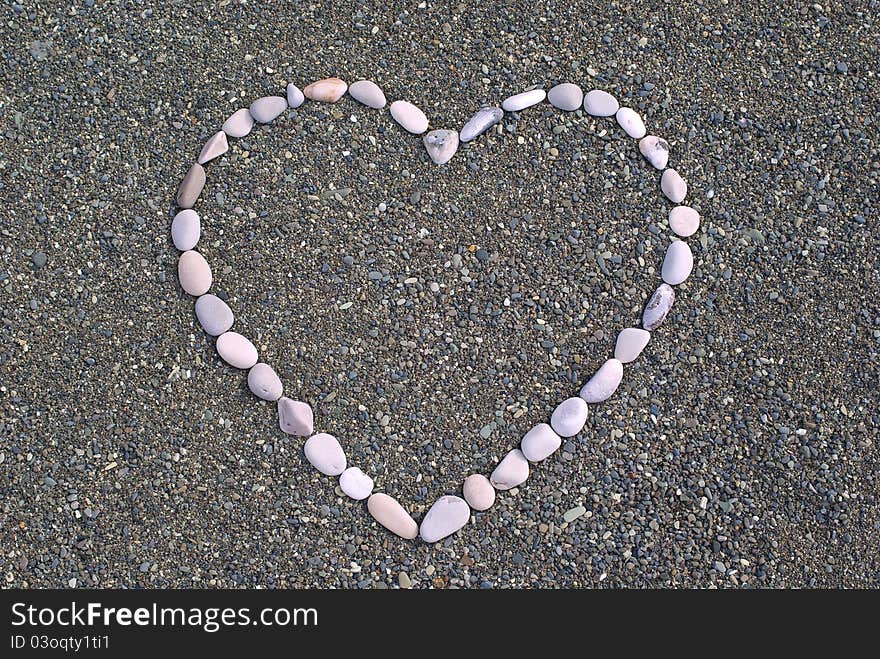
<point x="478" y="492"/>
<point x="214" y="314"/>
<point x="513" y="470"/>
<point x="631" y="122"/>
<point x="194" y="273"/>
<point x="684" y="221"/>
<point x="446" y="516"/>
<point x="658" y="307"/>
<point x="295" y="417"/>
<point x="655" y="150"/>
<point x="523" y="100"/>
<point x="604" y="382"/>
<point x="264" y="382"/>
<point x="566" y="96"/>
<point x="328" y="90"/>
<point x="441" y="145"/>
<point x="295" y="97"/>
<point x="216" y="146"/>
<point x="325" y="454"/>
<point x="600" y="103"/>
<point x="186" y="229"/>
<point x="482" y="121"/>
<point x="673" y="186"/>
<point x="392" y="516"/>
<point x="191" y="186"/>
<point x="630" y="343"/>
<point x="409" y="116"/>
<point x="236" y="350"/>
<point x="678" y="263"/>
<point x="540" y="443"/>
<point x="266" y="109"/>
<point x="569" y="417"/>
<point x="239" y="123"/>
<point x="356" y="484"/>
<point x="368" y="93"/>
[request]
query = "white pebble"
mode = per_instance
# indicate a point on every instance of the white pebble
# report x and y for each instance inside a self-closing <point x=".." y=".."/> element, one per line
<point x="478" y="492"/>
<point x="604" y="383"/>
<point x="673" y="186"/>
<point x="678" y="263"/>
<point x="655" y="150"/>
<point x="295" y="97"/>
<point x="513" y="470"/>
<point x="325" y="454"/>
<point x="446" y="516"/>
<point x="409" y="116"/>
<point x="630" y="343"/>
<point x="392" y="516"/>
<point x="684" y="221"/>
<point x="631" y="123"/>
<point x="524" y="100"/>
<point x="569" y="417"/>
<point x="266" y="109"/>
<point x="186" y="229"/>
<point x="540" y="443"/>
<point x="216" y="146"/>
<point x="356" y="484"/>
<point x="600" y="103"/>
<point x="566" y="96"/>
<point x="264" y="382"/>
<point x="194" y="273"/>
<point x="658" y="307"/>
<point x="368" y="93"/>
<point x="236" y="350"/>
<point x="239" y="123"/>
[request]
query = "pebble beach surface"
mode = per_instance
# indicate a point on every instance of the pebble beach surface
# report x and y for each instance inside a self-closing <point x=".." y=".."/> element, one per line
<point x="431" y="315"/>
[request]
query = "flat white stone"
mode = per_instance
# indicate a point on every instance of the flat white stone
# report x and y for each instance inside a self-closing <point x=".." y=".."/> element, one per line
<point x="264" y="382"/>
<point x="673" y="186"/>
<point x="513" y="470"/>
<point x="540" y="443"/>
<point x="482" y="121"/>
<point x="325" y="454"/>
<point x="356" y="484"/>
<point x="214" y="314"/>
<point x="600" y="103"/>
<point x="236" y="350"/>
<point x="630" y="343"/>
<point x="445" y="517"/>
<point x="216" y="146"/>
<point x="295" y="417"/>
<point x="392" y="516"/>
<point x="295" y="97"/>
<point x="409" y="116"/>
<point x="655" y="150"/>
<point x="239" y="124"/>
<point x="523" y="100"/>
<point x="328" y="90"/>
<point x="604" y="382"/>
<point x="658" y="307"/>
<point x="569" y="417"/>
<point x="191" y="186"/>
<point x="631" y="122"/>
<point x="678" y="263"/>
<point x="186" y="229"/>
<point x="478" y="492"/>
<point x="441" y="145"/>
<point x="684" y="221"/>
<point x="368" y="93"/>
<point x="268" y="108"/>
<point x="194" y="273"/>
<point x="566" y="96"/>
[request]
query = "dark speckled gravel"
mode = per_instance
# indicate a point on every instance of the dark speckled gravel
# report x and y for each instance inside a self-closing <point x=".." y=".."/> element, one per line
<point x="433" y="314"/>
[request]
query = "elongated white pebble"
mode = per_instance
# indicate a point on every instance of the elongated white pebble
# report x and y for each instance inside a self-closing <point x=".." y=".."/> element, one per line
<point x="215" y="147"/>
<point x="328" y="90"/>
<point x="186" y="229"/>
<point x="630" y="343"/>
<point x="684" y="221"/>
<point x="513" y="470"/>
<point x="673" y="186"/>
<point x="678" y="263"/>
<point x="264" y="382"/>
<point x="239" y="124"/>
<point x="523" y="100"/>
<point x="483" y="120"/>
<point x="540" y="443"/>
<point x="237" y="350"/>
<point x="392" y="516"/>
<point x="191" y="186"/>
<point x="658" y="307"/>
<point x="325" y="454"/>
<point x="268" y="108"/>
<point x="214" y="314"/>
<point x="295" y="417"/>
<point x="447" y="515"/>
<point x="194" y="273"/>
<point x="409" y="116"/>
<point x="600" y="103"/>
<point x="478" y="492"/>
<point x="355" y="483"/>
<point x="569" y="417"/>
<point x="604" y="382"/>
<point x="368" y="93"/>
<point x="631" y="123"/>
<point x="295" y="97"/>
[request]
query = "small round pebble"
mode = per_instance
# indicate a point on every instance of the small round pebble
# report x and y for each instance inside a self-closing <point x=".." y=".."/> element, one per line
<point x="599" y="103"/>
<point x="409" y="116"/>
<point x="540" y="443"/>
<point x="566" y="96"/>
<point x="264" y="382"/>
<point x="194" y="273"/>
<point x="512" y="471"/>
<point x="604" y="382"/>
<point x="678" y="263"/>
<point x="673" y="186"/>
<point x="478" y="492"/>
<point x="630" y="343"/>
<point x="569" y="417"/>
<point x="186" y="229"/>
<point x="631" y="122"/>
<point x="355" y="483"/>
<point x="368" y="93"/>
<point x="392" y="516"/>
<point x="213" y="314"/>
<point x="447" y="515"/>
<point x="684" y="221"/>
<point x="236" y="350"/>
<point x="325" y="454"/>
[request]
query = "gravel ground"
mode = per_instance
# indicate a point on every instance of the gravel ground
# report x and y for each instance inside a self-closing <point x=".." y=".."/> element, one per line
<point x="741" y="450"/>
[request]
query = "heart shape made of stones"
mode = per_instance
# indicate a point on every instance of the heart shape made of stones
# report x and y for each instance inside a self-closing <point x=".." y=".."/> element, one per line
<point x="449" y="513"/>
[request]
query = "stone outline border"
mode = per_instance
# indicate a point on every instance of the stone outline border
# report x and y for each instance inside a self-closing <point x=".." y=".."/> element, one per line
<point x="449" y="513"/>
